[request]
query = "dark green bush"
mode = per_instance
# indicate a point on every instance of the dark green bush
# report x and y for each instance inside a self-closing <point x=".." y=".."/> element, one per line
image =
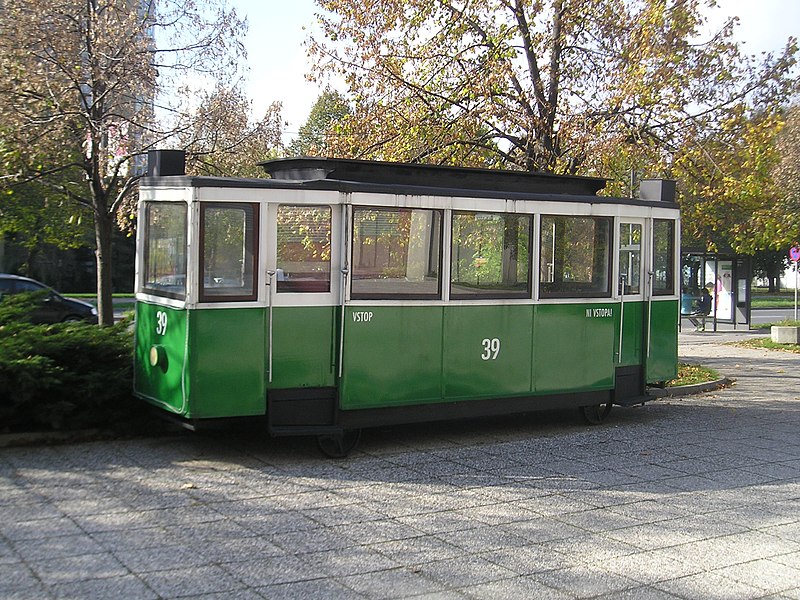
<point x="63" y="376"/>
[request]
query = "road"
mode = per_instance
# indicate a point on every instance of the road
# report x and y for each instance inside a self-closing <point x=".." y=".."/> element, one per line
<point x="770" y="315"/>
<point x="758" y="316"/>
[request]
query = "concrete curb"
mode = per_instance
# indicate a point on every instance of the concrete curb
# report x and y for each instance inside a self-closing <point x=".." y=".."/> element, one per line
<point x="687" y="390"/>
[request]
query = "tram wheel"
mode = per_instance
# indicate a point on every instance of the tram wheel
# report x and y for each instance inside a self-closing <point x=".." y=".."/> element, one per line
<point x="596" y="413"/>
<point x="339" y="445"/>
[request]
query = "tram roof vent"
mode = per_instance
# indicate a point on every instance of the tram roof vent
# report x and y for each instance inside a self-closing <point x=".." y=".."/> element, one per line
<point x="166" y="162"/>
<point x="657" y="189"/>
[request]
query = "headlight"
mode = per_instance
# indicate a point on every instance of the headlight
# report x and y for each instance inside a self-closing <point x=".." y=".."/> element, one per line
<point x="94" y="311"/>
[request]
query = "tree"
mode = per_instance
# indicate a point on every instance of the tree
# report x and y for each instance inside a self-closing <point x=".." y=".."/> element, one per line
<point x="93" y="84"/>
<point x="787" y="181"/>
<point x="728" y="194"/>
<point x="34" y="215"/>
<point x="555" y="85"/>
<point x="224" y="140"/>
<point x="770" y="265"/>
<point x="325" y="121"/>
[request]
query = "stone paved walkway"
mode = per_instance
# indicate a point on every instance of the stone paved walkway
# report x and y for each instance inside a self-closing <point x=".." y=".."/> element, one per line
<point x="693" y="497"/>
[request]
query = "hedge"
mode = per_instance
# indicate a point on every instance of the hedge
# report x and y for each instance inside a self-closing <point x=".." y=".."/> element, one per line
<point x="64" y="376"/>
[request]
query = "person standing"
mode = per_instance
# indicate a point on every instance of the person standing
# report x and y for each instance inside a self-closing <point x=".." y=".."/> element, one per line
<point x="704" y="306"/>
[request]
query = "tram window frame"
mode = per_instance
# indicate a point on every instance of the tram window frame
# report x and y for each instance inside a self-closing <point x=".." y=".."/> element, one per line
<point x="602" y="262"/>
<point x="434" y="257"/>
<point x="630" y="257"/>
<point x="668" y="288"/>
<point x="285" y="284"/>
<point x="463" y="290"/>
<point x="206" y="293"/>
<point x="153" y="287"/>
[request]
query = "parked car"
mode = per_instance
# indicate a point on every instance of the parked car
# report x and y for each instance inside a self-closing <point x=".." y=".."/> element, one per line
<point x="54" y="308"/>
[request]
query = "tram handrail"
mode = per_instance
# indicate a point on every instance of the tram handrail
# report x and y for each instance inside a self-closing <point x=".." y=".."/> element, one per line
<point x="343" y="287"/>
<point x="623" y="280"/>
<point x="649" y="308"/>
<point x="270" y="277"/>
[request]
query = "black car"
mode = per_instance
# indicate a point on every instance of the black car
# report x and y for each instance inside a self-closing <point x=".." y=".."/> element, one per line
<point x="54" y="308"/>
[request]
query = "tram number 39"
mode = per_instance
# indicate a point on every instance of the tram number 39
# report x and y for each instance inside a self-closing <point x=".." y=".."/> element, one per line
<point x="161" y="322"/>
<point x="491" y="348"/>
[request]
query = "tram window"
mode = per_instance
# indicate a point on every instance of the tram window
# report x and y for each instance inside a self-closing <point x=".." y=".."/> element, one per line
<point x="396" y="253"/>
<point x="663" y="257"/>
<point x="490" y="255"/>
<point x="630" y="252"/>
<point x="574" y="257"/>
<point x="304" y="249"/>
<point x="228" y="255"/>
<point x="165" y="249"/>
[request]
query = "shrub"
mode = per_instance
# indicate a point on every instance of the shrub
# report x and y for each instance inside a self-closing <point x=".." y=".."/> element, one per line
<point x="62" y="376"/>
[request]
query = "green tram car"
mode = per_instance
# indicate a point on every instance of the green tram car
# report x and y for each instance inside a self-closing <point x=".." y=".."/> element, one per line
<point x="343" y="294"/>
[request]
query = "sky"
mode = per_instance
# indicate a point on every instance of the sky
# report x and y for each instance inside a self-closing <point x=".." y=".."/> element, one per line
<point x="278" y="62"/>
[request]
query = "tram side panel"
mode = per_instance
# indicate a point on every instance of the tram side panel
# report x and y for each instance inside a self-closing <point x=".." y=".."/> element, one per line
<point x="160" y="354"/>
<point x="392" y="356"/>
<point x="573" y="347"/>
<point x="486" y="351"/>
<point x="210" y="365"/>
<point x="304" y="347"/>
<point x="662" y="364"/>
<point x="226" y="362"/>
<point x="634" y="317"/>
<point x="395" y="356"/>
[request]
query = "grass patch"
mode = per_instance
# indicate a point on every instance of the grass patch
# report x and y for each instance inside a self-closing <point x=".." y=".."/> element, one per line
<point x="764" y="299"/>
<point x="766" y="343"/>
<point x="784" y="323"/>
<point x="788" y="323"/>
<point x="692" y="374"/>
<point x="772" y="302"/>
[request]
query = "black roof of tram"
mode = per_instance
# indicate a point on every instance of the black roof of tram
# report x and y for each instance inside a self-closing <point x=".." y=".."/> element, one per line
<point x="430" y="176"/>
<point x="349" y="175"/>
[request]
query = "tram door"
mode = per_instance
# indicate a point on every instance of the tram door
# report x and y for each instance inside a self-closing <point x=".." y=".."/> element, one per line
<point x="302" y="299"/>
<point x="633" y="294"/>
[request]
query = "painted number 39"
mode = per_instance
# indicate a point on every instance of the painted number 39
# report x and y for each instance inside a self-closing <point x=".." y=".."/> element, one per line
<point x="491" y="348"/>
<point x="161" y="322"/>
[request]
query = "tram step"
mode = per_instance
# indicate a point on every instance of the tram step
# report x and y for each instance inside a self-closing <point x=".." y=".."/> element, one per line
<point x="301" y="407"/>
<point x="636" y="400"/>
<point x="300" y="430"/>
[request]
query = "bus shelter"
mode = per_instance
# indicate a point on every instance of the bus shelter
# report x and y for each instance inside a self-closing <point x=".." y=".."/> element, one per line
<point x="727" y="278"/>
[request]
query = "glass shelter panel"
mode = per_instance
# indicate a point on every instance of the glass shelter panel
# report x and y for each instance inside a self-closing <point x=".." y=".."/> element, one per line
<point x="490" y="255"/>
<point x="164" y="272"/>
<point x="575" y="257"/>
<point x="663" y="257"/>
<point x="304" y="249"/>
<point x="630" y="257"/>
<point x="396" y="253"/>
<point x="228" y="256"/>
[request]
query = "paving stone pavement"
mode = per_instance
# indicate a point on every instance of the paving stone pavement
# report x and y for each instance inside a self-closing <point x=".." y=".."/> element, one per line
<point x="690" y="497"/>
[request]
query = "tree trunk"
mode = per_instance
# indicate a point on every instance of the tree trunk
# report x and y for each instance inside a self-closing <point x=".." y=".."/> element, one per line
<point x="103" y="227"/>
<point x="773" y="276"/>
